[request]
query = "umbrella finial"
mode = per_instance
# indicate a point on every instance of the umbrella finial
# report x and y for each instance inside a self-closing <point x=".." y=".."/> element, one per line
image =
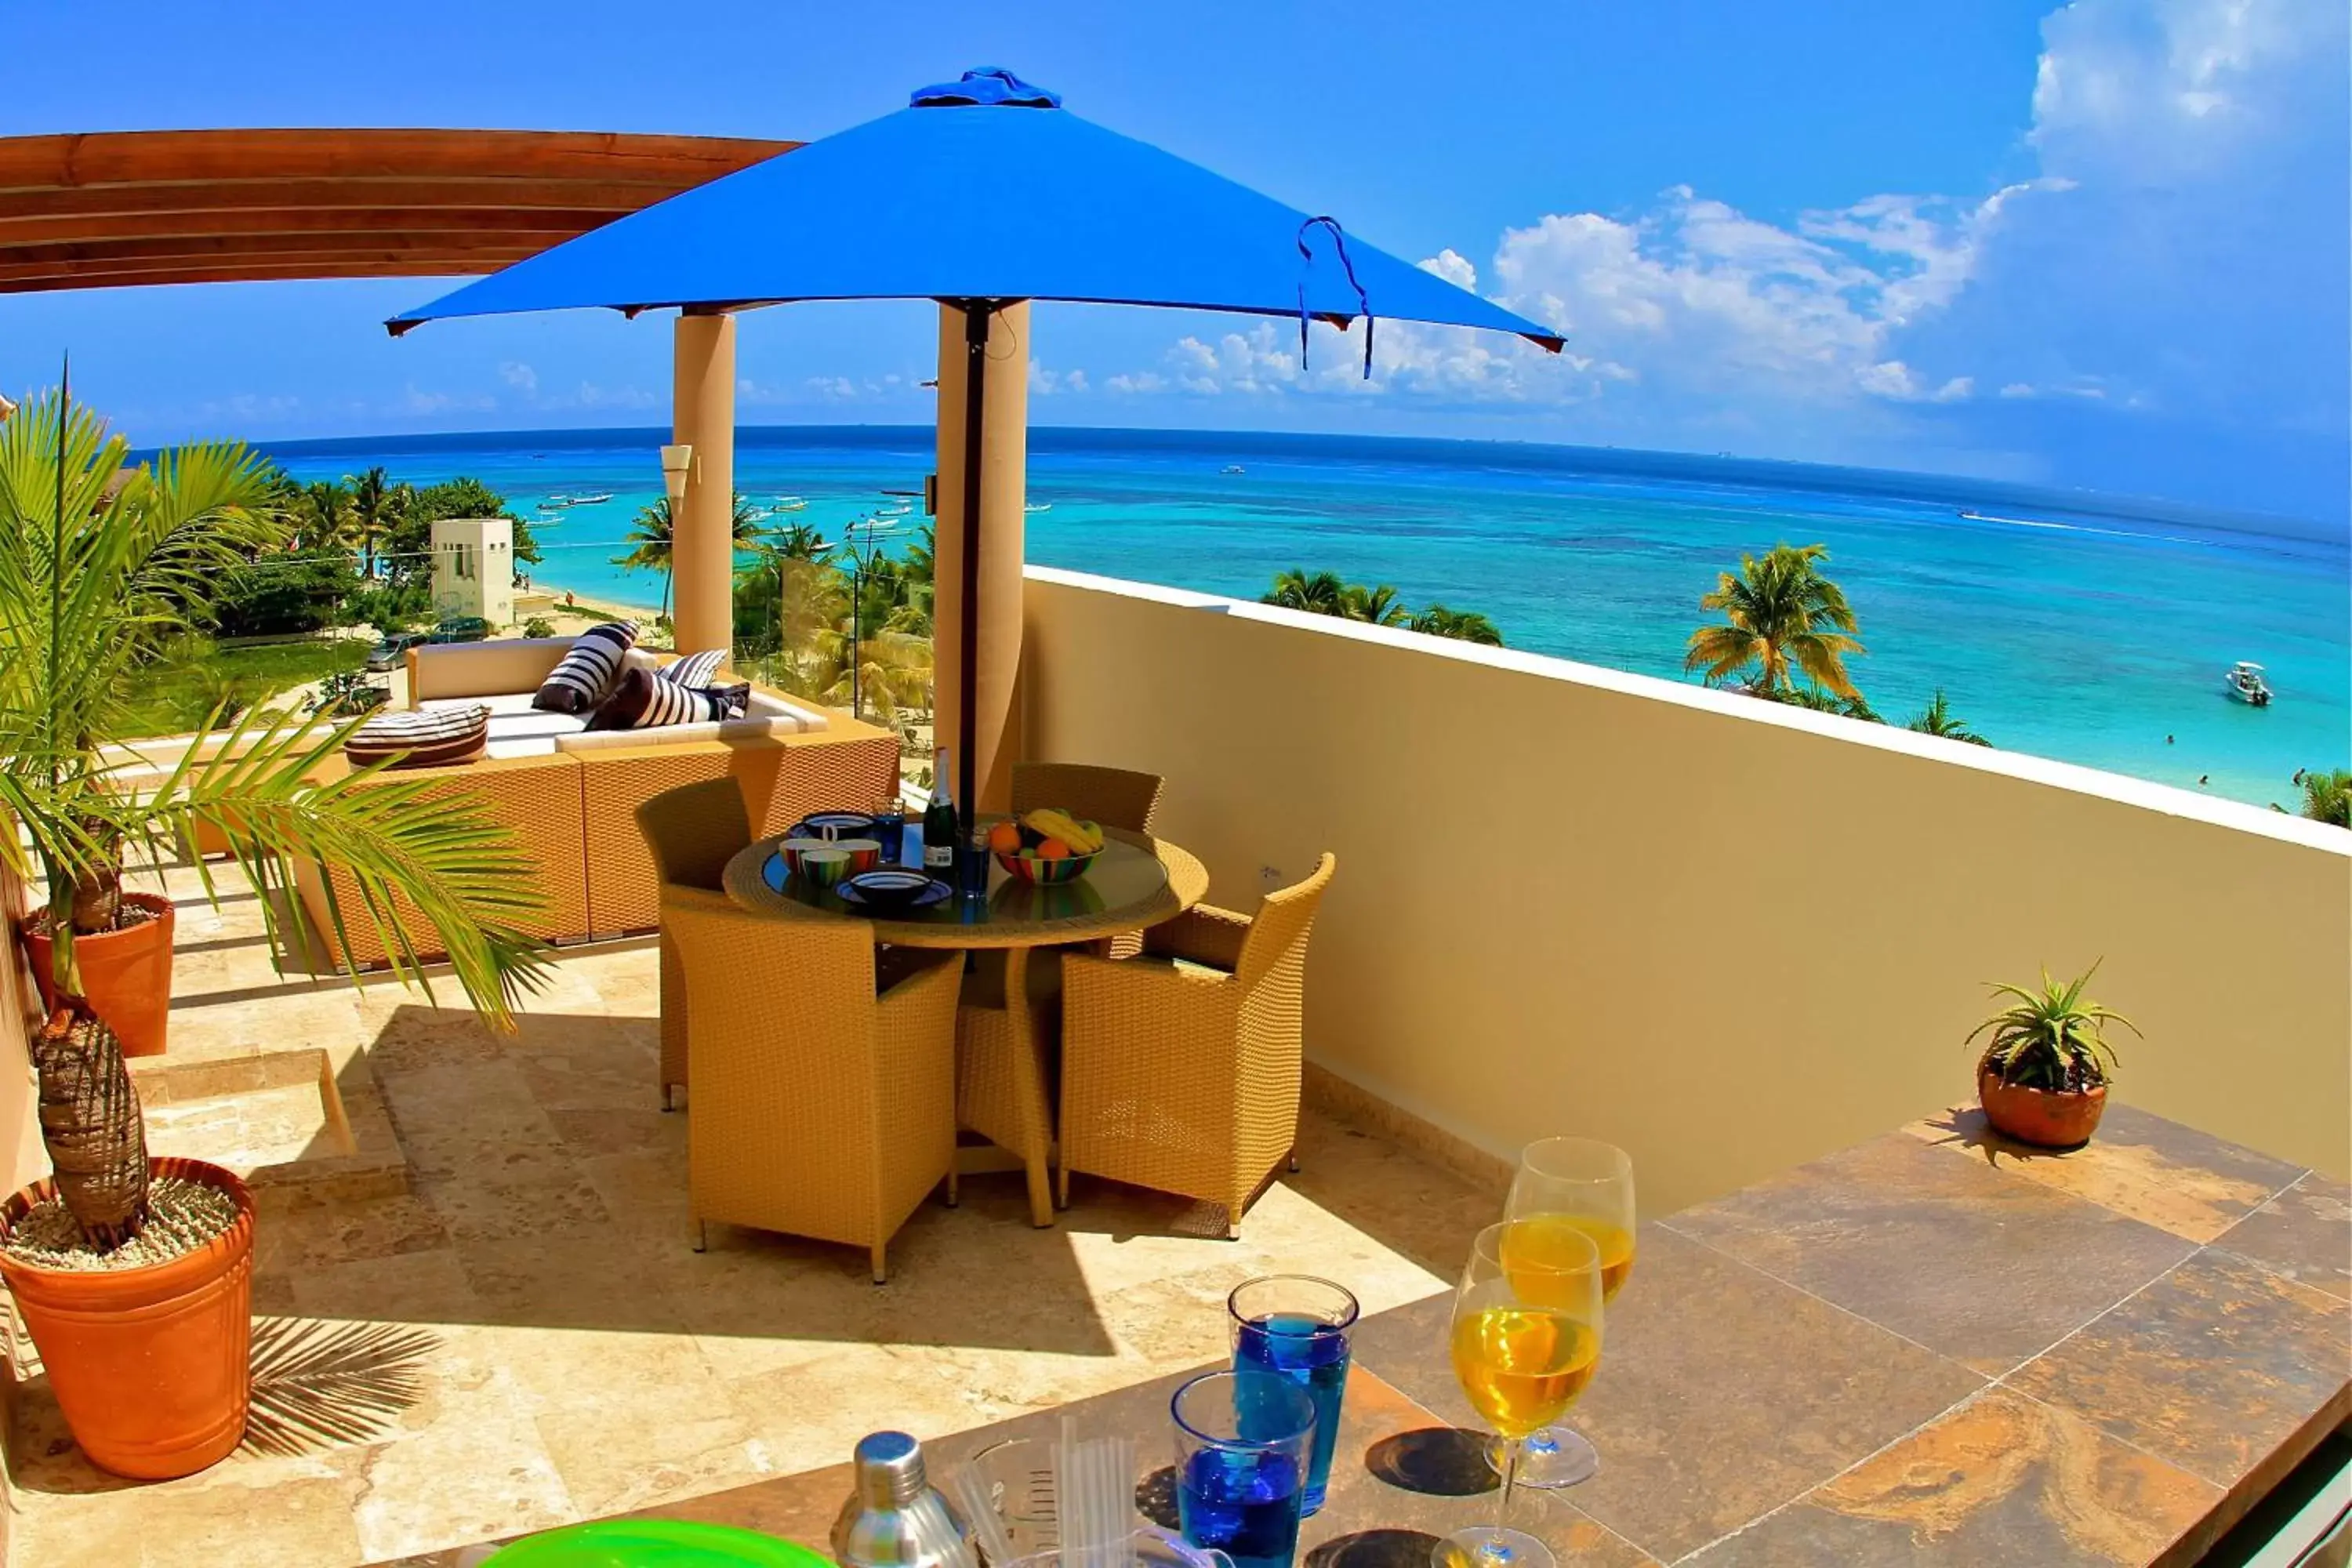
<point x="985" y="87"/>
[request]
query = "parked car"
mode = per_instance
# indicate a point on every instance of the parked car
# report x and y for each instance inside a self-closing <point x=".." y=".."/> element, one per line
<point x="460" y="628"/>
<point x="387" y="654"/>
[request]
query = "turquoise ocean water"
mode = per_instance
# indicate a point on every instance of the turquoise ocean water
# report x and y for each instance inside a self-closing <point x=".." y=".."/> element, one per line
<point x="2069" y="625"/>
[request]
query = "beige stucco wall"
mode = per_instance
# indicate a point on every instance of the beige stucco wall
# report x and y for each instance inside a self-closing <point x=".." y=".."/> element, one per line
<point x="1728" y="936"/>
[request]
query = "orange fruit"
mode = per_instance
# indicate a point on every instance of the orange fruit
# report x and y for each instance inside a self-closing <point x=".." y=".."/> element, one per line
<point x="1053" y="849"/>
<point x="1004" y="838"/>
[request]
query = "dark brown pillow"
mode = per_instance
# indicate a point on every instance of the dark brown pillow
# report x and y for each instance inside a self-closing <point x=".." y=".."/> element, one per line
<point x="642" y="699"/>
<point x="432" y="739"/>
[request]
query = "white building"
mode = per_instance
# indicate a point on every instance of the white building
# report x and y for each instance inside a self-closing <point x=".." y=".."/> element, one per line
<point x="473" y="569"/>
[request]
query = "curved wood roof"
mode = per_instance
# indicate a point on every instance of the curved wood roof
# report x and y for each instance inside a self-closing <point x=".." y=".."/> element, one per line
<point x="196" y="206"/>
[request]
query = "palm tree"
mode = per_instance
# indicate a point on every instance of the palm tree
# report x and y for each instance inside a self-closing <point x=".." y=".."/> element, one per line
<point x="798" y="541"/>
<point x="325" y="514"/>
<point x="2327" y="797"/>
<point x="1377" y="606"/>
<point x="1778" y="612"/>
<point x="90" y="584"/>
<point x="375" y="502"/>
<point x="649" y="534"/>
<point x="1321" y="593"/>
<point x="1463" y="625"/>
<point x="1937" y="719"/>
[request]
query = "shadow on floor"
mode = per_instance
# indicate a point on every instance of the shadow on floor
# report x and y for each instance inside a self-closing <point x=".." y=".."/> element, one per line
<point x="317" y="1386"/>
<point x="541" y="1161"/>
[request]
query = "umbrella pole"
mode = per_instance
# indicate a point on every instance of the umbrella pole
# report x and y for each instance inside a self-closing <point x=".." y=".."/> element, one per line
<point x="978" y="314"/>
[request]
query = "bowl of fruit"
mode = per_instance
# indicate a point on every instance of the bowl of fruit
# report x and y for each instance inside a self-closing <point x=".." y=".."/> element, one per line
<point x="1047" y="846"/>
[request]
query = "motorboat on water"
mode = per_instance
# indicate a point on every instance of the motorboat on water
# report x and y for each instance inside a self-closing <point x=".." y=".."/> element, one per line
<point x="894" y="511"/>
<point x="1036" y="506"/>
<point x="784" y="504"/>
<point x="1232" y="468"/>
<point x="592" y="500"/>
<point x="2244" y="682"/>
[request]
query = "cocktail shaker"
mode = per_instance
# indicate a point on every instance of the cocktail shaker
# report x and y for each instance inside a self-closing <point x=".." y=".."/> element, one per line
<point x="896" y="1518"/>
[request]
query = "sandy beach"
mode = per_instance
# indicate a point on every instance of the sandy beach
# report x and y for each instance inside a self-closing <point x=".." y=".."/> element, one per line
<point x="570" y="614"/>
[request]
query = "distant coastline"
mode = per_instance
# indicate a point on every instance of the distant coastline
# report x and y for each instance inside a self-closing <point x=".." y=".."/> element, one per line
<point x="2090" y="629"/>
<point x="1534" y="456"/>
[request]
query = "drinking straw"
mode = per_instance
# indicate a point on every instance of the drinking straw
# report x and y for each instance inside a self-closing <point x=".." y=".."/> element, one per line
<point x="980" y="1508"/>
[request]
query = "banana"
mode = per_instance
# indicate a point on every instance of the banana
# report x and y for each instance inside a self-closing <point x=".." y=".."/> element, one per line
<point x="1082" y="838"/>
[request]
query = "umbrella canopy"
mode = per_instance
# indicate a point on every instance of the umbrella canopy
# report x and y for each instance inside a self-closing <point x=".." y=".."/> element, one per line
<point x="985" y="189"/>
<point x="981" y="193"/>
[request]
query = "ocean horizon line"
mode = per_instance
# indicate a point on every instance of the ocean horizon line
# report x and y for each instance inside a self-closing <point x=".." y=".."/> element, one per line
<point x="1961" y="490"/>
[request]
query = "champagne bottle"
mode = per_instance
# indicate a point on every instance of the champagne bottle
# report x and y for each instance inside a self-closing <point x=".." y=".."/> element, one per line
<point x="939" y="836"/>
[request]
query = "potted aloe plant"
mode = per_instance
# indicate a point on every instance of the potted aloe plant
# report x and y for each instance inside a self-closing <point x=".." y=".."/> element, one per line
<point x="2043" y="1075"/>
<point x="134" y="1274"/>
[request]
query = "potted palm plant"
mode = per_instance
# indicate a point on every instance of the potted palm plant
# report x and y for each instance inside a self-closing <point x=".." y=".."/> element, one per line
<point x="2043" y="1075"/>
<point x="134" y="1274"/>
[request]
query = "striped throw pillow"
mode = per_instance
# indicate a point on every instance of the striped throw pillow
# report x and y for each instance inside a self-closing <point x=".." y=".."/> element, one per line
<point x="643" y="701"/>
<point x="586" y="676"/>
<point x="695" y="669"/>
<point x="422" y="740"/>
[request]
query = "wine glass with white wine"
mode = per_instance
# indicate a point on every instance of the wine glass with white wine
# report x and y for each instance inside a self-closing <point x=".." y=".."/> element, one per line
<point x="1525" y="1341"/>
<point x="1566" y="1188"/>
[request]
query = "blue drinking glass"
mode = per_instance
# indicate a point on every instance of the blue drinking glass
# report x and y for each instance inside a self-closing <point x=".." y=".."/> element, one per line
<point x="1242" y="1445"/>
<point x="1295" y="1326"/>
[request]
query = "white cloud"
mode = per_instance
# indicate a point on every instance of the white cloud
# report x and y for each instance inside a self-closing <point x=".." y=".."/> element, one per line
<point x="2179" y="251"/>
<point x="1045" y="382"/>
<point x="519" y="376"/>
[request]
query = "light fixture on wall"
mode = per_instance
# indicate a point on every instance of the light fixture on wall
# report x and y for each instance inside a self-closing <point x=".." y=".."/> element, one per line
<point x="677" y="461"/>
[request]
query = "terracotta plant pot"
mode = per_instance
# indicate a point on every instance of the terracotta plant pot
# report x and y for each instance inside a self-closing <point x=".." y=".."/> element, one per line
<point x="126" y="974"/>
<point x="151" y="1366"/>
<point x="2049" y="1119"/>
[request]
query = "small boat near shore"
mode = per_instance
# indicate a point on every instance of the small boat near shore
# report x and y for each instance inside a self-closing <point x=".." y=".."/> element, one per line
<point x="1038" y="506"/>
<point x="2244" y="683"/>
<point x="784" y="505"/>
<point x="592" y="500"/>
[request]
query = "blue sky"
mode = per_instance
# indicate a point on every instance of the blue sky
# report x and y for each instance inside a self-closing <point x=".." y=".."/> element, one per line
<point x="2104" y="245"/>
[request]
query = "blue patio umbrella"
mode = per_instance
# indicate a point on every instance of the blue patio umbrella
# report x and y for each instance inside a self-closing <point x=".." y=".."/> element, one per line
<point x="981" y="193"/>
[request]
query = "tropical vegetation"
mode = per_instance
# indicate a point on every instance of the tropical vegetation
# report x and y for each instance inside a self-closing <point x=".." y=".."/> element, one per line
<point x="1779" y="615"/>
<point x="1326" y="594"/>
<point x="824" y="621"/>
<point x="2051" y="1036"/>
<point x="650" y="533"/>
<point x="2327" y="796"/>
<point x="1937" y="718"/>
<point x="102" y="567"/>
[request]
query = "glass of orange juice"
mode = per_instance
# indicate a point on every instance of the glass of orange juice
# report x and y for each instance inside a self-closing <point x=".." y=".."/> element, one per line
<point x="1568" y="1188"/>
<point x="1525" y="1341"/>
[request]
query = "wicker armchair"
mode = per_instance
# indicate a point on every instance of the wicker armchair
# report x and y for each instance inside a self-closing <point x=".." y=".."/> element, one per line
<point x="1179" y="1068"/>
<point x="691" y="831"/>
<point x="820" y="1108"/>
<point x="1112" y="797"/>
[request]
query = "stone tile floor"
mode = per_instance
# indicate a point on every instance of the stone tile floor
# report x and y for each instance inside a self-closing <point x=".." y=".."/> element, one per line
<point x="525" y="1339"/>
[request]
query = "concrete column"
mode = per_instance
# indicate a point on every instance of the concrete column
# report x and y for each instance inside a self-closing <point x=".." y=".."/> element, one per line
<point x="702" y="549"/>
<point x="1003" y="487"/>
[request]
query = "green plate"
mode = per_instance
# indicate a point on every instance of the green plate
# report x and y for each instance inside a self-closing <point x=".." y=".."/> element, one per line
<point x="654" y="1544"/>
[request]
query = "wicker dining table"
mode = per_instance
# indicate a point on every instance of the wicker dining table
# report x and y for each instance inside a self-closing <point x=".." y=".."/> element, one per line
<point x="1003" y="1087"/>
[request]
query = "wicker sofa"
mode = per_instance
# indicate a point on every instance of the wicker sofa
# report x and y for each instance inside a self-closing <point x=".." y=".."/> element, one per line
<point x="571" y="796"/>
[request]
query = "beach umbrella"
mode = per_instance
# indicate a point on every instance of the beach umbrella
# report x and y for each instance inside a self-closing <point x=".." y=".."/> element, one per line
<point x="981" y="193"/>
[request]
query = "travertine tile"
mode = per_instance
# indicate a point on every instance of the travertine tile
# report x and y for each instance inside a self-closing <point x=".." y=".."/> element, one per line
<point x="2156" y="1171"/>
<point x="2003" y="1478"/>
<point x="2212" y="1368"/>
<point x="2305" y="1233"/>
<point x="1915" y="1239"/>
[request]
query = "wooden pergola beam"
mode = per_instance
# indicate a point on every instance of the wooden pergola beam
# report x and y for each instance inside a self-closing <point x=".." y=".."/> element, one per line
<point x="170" y="207"/>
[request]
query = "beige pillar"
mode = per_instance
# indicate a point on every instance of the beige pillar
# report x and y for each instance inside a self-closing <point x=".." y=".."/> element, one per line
<point x="1005" y="460"/>
<point x="702" y="548"/>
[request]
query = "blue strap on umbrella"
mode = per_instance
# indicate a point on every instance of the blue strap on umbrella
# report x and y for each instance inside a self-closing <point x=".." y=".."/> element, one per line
<point x="1307" y="255"/>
